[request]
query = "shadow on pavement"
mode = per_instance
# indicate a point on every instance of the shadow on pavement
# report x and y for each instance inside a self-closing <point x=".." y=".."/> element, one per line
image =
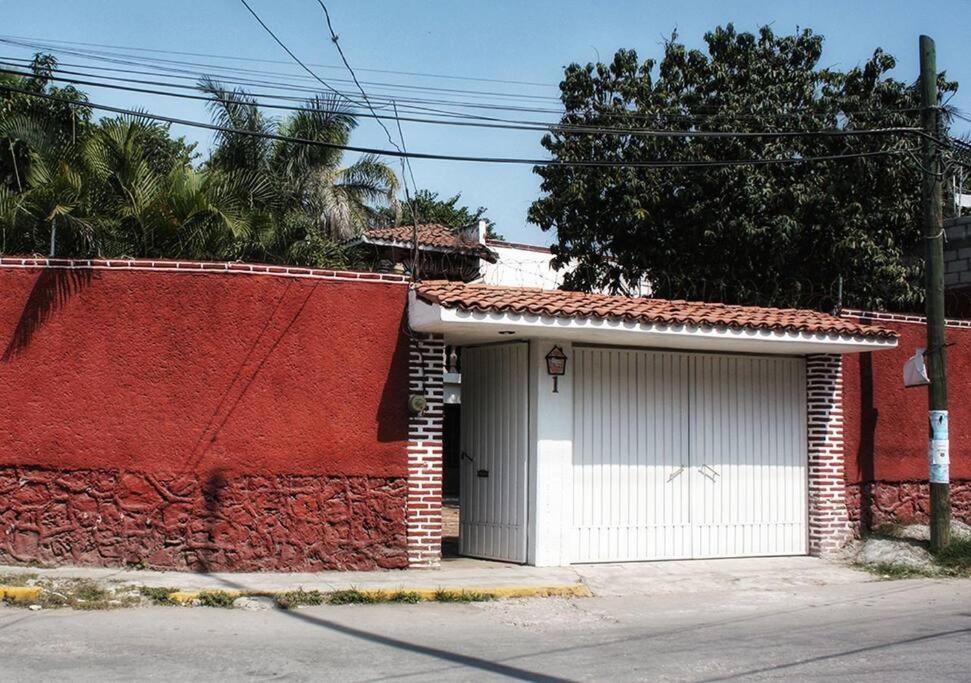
<point x="437" y="653"/>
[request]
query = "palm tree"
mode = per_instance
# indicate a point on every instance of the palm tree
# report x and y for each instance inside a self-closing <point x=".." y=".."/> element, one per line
<point x="213" y="213"/>
<point x="50" y="188"/>
<point x="124" y="187"/>
<point x="319" y="202"/>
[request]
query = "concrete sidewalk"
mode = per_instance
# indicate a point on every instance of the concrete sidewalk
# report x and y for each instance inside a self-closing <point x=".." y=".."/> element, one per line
<point x="642" y="578"/>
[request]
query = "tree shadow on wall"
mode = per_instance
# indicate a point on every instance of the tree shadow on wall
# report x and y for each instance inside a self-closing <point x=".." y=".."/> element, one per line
<point x="51" y="292"/>
<point x="212" y="490"/>
<point x="275" y="329"/>
<point x="864" y="452"/>
<point x="392" y="417"/>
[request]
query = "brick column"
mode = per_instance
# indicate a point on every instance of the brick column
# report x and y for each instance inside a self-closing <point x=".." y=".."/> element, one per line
<point x="829" y="524"/>
<point x="424" y="512"/>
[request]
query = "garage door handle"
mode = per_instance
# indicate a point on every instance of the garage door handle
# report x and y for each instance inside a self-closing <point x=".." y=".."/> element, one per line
<point x="676" y="473"/>
<point x="714" y="473"/>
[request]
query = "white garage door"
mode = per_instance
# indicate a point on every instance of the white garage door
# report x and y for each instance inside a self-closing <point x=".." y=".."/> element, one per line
<point x="492" y="493"/>
<point x="688" y="455"/>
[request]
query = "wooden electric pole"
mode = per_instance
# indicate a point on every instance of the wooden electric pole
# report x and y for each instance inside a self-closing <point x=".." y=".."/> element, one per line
<point x="933" y="219"/>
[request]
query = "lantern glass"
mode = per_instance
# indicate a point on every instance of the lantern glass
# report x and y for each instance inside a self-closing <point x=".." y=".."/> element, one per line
<point x="556" y="362"/>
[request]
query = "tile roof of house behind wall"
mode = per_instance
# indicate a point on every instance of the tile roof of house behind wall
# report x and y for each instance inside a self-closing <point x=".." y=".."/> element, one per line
<point x="432" y="235"/>
<point x="490" y="298"/>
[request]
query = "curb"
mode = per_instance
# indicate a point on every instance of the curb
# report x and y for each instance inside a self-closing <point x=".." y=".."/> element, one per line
<point x="574" y="590"/>
<point x="19" y="593"/>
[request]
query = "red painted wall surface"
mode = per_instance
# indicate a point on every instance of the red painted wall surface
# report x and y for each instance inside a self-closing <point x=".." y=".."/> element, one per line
<point x="202" y="420"/>
<point x="170" y="373"/>
<point x="885" y="429"/>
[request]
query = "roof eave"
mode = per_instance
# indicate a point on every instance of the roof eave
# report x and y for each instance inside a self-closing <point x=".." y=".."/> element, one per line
<point x="486" y="253"/>
<point x="462" y="326"/>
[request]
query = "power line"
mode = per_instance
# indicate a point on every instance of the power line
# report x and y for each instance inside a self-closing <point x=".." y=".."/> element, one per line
<point x="502" y="124"/>
<point x="289" y="52"/>
<point x="405" y="161"/>
<point x="693" y="113"/>
<point x="271" y="61"/>
<point x="656" y="164"/>
<point x="367" y="101"/>
<point x="139" y="61"/>
<point x="304" y="78"/>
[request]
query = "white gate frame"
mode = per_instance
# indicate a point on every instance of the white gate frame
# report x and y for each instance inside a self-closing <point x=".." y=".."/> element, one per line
<point x="550" y="486"/>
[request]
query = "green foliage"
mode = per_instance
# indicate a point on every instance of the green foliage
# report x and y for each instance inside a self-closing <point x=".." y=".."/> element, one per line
<point x="956" y="558"/>
<point x="891" y="571"/>
<point x="775" y="234"/>
<point x="409" y="597"/>
<point x="83" y="594"/>
<point x="17" y="579"/>
<point x="123" y="187"/>
<point x="299" y="598"/>
<point x="159" y="595"/>
<point x="352" y="596"/>
<point x="428" y="208"/>
<point x="445" y="595"/>
<point x="216" y="599"/>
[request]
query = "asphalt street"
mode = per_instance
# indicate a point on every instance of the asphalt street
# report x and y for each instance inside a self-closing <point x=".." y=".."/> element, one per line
<point x="873" y="631"/>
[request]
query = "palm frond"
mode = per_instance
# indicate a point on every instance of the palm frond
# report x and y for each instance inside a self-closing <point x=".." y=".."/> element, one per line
<point x="236" y="110"/>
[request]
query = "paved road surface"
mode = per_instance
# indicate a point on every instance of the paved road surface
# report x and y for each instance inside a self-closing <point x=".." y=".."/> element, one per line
<point x="878" y="631"/>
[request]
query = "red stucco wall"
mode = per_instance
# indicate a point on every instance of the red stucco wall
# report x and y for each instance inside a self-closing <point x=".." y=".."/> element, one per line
<point x="204" y="420"/>
<point x="885" y="429"/>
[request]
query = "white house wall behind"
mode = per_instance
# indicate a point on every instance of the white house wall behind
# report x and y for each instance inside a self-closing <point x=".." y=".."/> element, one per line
<point x="522" y="266"/>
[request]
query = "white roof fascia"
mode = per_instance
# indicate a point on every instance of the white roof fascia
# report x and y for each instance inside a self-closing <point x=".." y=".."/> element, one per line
<point x="472" y="327"/>
<point x="410" y="245"/>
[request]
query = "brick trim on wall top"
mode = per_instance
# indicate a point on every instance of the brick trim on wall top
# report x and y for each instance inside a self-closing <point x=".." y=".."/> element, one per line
<point x="200" y="267"/>
<point x="424" y="516"/>
<point x="898" y="317"/>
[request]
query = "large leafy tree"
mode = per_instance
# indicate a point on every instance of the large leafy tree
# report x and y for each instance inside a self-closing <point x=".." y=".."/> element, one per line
<point x="782" y="234"/>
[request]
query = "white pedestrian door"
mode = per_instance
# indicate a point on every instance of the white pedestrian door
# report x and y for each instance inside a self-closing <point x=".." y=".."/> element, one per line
<point x="492" y="492"/>
<point x="688" y="455"/>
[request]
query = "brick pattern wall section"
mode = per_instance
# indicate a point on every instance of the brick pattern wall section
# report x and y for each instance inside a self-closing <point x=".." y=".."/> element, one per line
<point x="829" y="525"/>
<point x="424" y="516"/>
<point x="216" y="523"/>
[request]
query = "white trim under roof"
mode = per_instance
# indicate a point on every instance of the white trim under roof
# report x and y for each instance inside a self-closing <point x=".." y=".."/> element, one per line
<point x="462" y="327"/>
<point x="421" y="246"/>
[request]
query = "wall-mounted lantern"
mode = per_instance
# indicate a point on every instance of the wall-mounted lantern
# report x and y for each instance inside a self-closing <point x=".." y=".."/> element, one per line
<point x="556" y="365"/>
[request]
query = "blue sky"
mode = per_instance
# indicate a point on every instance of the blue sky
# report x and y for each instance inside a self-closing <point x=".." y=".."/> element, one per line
<point x="501" y="39"/>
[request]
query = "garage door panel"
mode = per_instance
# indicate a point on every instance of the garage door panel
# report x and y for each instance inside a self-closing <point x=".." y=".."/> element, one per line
<point x="630" y="476"/>
<point x="747" y="416"/>
<point x="688" y="455"/>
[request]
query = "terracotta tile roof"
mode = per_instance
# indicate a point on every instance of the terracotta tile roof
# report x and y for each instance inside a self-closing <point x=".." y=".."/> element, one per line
<point x="490" y="298"/>
<point x="433" y="235"/>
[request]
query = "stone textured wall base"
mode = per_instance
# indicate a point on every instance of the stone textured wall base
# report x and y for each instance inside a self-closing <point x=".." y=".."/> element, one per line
<point x="901" y="502"/>
<point x="222" y="523"/>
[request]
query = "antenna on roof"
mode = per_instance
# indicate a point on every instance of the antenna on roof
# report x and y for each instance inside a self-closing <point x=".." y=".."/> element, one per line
<point x="838" y="309"/>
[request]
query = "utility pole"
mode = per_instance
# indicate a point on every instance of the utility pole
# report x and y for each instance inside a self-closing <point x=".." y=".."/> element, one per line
<point x="931" y="208"/>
